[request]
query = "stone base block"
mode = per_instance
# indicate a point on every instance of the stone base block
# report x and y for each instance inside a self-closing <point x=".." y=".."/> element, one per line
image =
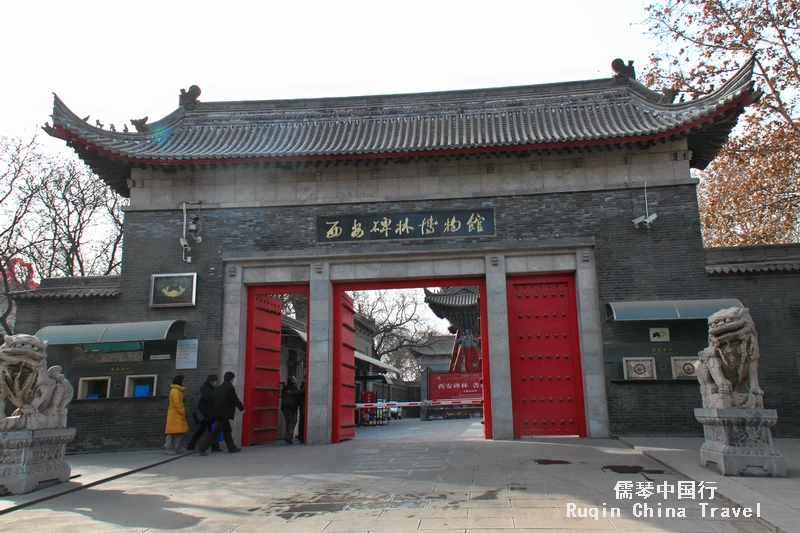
<point x="31" y="460"/>
<point x="739" y="442"/>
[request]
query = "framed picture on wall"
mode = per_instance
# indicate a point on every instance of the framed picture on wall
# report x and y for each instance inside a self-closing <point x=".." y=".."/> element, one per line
<point x="173" y="290"/>
<point x="639" y="367"/>
<point x="685" y="367"/>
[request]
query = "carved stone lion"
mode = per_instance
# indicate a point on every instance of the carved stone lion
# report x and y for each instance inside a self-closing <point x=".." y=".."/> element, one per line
<point x="40" y="394"/>
<point x="728" y="371"/>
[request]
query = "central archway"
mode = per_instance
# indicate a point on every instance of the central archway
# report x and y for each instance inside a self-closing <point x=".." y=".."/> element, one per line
<point x="343" y="397"/>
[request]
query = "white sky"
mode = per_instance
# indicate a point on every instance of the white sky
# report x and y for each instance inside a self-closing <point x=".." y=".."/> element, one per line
<point x="121" y="60"/>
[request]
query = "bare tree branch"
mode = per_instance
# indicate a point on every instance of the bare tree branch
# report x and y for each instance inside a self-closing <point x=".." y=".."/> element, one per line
<point x="400" y="325"/>
<point x="56" y="215"/>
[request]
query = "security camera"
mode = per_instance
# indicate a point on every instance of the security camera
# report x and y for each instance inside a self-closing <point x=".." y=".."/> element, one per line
<point x="650" y="220"/>
<point x="185" y="244"/>
<point x="638" y="220"/>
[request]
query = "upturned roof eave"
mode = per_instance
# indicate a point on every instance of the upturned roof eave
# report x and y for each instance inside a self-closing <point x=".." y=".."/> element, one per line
<point x="740" y="102"/>
<point x="109" y="154"/>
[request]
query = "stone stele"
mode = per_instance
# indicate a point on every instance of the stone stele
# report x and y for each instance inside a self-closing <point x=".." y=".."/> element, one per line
<point x="34" y="438"/>
<point x="738" y="438"/>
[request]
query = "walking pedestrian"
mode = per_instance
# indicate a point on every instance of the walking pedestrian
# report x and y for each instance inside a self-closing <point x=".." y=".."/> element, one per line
<point x="205" y="416"/>
<point x="301" y="419"/>
<point x="289" y="404"/>
<point x="176" y="417"/>
<point x="225" y="401"/>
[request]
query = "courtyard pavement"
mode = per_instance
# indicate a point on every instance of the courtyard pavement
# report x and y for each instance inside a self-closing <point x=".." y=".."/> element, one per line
<point x="406" y="476"/>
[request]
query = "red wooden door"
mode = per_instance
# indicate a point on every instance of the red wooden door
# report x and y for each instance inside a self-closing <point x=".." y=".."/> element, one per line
<point x="344" y="371"/>
<point x="263" y="370"/>
<point x="546" y="384"/>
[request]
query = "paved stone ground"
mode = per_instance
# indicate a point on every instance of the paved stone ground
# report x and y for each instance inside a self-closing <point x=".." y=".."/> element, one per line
<point x="779" y="497"/>
<point x="407" y="476"/>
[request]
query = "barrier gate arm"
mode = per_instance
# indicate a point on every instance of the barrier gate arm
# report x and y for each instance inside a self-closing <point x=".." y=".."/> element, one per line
<point x="418" y="404"/>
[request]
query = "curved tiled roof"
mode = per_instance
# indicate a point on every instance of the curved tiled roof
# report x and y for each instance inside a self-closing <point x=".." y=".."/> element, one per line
<point x="737" y="268"/>
<point x="75" y="287"/>
<point x="441" y="345"/>
<point x="530" y="118"/>
<point x="453" y="297"/>
<point x="458" y="305"/>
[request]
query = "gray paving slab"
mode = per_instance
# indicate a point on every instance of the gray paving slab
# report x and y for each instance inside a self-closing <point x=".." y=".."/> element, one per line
<point x="778" y="498"/>
<point x="88" y="469"/>
<point x="407" y="476"/>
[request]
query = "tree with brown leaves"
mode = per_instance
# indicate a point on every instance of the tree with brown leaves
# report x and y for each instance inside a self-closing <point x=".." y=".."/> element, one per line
<point x="750" y="194"/>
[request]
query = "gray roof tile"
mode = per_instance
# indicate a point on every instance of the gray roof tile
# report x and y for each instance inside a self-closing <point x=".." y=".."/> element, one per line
<point x="737" y="268"/>
<point x="552" y="116"/>
<point x="74" y="287"/>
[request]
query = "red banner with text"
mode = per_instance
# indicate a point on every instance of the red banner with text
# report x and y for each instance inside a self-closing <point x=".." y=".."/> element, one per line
<point x="454" y="385"/>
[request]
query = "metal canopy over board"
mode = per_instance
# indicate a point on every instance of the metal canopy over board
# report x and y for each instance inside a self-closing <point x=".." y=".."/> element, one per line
<point x="121" y="332"/>
<point x="375" y="362"/>
<point x="668" y="309"/>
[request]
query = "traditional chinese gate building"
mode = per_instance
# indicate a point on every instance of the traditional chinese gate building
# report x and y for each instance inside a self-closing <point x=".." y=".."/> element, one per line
<point x="527" y="193"/>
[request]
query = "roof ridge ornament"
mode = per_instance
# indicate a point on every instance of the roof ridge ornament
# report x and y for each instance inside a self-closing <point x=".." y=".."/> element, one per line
<point x="140" y="124"/>
<point x="623" y="71"/>
<point x="188" y="99"/>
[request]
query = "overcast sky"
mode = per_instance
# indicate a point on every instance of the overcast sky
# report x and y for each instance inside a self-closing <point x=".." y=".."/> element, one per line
<point x="121" y="60"/>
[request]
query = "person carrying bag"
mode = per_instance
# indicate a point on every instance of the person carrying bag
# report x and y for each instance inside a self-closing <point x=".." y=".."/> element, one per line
<point x="204" y="415"/>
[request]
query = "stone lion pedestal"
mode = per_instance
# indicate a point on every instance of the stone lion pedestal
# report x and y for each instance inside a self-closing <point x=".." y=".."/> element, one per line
<point x="32" y="460"/>
<point x="739" y="442"/>
<point x="33" y="440"/>
<point x="737" y="428"/>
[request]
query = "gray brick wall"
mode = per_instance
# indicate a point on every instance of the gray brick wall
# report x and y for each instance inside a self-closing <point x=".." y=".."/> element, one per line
<point x="774" y="302"/>
<point x="663" y="262"/>
<point x="119" y="424"/>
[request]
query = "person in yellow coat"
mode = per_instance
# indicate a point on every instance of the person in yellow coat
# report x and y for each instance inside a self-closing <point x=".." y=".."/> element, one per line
<point x="176" y="417"/>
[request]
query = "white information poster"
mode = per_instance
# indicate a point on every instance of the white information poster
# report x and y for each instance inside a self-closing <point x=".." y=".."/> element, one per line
<point x="186" y="356"/>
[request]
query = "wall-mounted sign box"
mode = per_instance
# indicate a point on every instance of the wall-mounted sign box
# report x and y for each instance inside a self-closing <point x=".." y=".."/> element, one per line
<point x="186" y="355"/>
<point x="391" y="226"/>
<point x="659" y="334"/>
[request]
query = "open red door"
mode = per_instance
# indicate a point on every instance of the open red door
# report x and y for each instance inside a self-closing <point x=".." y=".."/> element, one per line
<point x="344" y="371"/>
<point x="263" y="370"/>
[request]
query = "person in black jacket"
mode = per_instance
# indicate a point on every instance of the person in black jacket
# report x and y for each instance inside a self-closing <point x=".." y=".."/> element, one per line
<point x="301" y="419"/>
<point x="225" y="401"/>
<point x="204" y="409"/>
<point x="290" y="396"/>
